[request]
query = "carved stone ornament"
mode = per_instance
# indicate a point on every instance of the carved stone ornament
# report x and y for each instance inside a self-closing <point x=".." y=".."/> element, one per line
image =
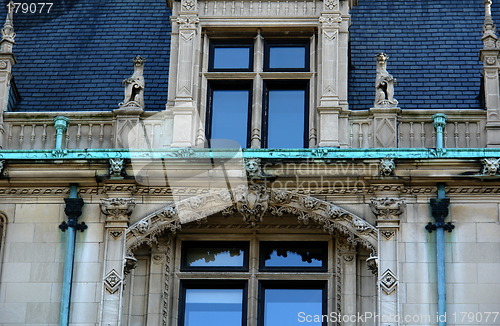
<point x="489" y="28"/>
<point x="387" y="208"/>
<point x="188" y="5"/>
<point x="348" y="258"/>
<point x="2" y="166"/>
<point x="118" y="208"/>
<point x="491" y="60"/>
<point x="3" y="64"/>
<point x="116" y="234"/>
<point x="384" y="84"/>
<point x="330" y="20"/>
<point x="8" y="34"/>
<point x="253" y="167"/>
<point x="388" y="234"/>
<point x="490" y="166"/>
<point x="112" y="281"/>
<point x="134" y="86"/>
<point x="253" y="203"/>
<point x="330" y="4"/>
<point x="130" y="263"/>
<point x="388" y="282"/>
<point x="372" y="263"/>
<point x="116" y="167"/>
<point x="187" y="21"/>
<point x="387" y="167"/>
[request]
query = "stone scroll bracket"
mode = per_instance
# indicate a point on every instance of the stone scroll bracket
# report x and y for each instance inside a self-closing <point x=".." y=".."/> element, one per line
<point x="387" y="211"/>
<point x="117" y="261"/>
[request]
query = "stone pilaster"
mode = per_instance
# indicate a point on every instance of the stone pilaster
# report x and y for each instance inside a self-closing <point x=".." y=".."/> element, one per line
<point x="387" y="211"/>
<point x="329" y="105"/>
<point x="347" y="261"/>
<point x="117" y="212"/>
<point x="187" y="34"/>
<point x="159" y="280"/>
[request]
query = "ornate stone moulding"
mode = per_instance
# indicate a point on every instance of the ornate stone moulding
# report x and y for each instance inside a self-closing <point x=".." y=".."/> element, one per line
<point x="253" y="203"/>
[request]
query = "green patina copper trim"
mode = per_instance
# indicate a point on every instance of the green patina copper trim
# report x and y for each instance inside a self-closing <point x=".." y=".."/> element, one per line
<point x="188" y="153"/>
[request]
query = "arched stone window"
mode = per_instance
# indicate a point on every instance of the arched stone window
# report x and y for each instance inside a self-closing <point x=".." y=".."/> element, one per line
<point x="287" y="246"/>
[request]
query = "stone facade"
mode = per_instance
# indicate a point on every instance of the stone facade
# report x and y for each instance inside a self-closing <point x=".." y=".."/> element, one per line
<point x="150" y="185"/>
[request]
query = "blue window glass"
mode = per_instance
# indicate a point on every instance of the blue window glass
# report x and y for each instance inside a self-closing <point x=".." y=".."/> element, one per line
<point x="230" y="109"/>
<point x="200" y="254"/>
<point x="213" y="307"/>
<point x="286" y="118"/>
<point x="283" y="307"/>
<point x="287" y="57"/>
<point x="231" y="58"/>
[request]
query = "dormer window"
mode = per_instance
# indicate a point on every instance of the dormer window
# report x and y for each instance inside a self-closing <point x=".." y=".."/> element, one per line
<point x="258" y="91"/>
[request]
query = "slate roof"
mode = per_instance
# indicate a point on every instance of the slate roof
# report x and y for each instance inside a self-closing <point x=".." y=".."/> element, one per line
<point x="433" y="47"/>
<point x="76" y="56"/>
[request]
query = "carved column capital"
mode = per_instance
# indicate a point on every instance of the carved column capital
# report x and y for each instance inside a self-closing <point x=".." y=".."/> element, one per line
<point x="117" y="210"/>
<point x="387" y="208"/>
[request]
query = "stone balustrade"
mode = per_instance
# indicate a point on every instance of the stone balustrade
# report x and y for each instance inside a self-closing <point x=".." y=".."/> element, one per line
<point x="96" y="130"/>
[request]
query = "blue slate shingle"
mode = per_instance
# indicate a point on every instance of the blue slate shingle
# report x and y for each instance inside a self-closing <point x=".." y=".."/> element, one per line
<point x="76" y="56"/>
<point x="433" y="45"/>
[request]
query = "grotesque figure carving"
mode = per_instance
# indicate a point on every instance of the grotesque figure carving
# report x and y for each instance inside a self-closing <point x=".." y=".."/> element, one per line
<point x="490" y="165"/>
<point x="134" y="86"/>
<point x="252" y="166"/>
<point x="384" y="84"/>
<point x="115" y="167"/>
<point x="387" y="167"/>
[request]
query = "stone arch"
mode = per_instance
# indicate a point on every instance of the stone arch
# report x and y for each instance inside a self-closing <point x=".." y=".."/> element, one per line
<point x="253" y="202"/>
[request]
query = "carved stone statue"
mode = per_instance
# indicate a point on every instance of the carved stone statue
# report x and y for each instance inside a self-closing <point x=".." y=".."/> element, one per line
<point x="384" y="84"/>
<point x="134" y="86"/>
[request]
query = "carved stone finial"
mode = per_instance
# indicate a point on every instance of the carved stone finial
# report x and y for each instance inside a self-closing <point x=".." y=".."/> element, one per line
<point x="116" y="167"/>
<point x="387" y="208"/>
<point x="384" y="84"/>
<point x="8" y="34"/>
<point x="387" y="167"/>
<point x="134" y="86"/>
<point x="489" y="28"/>
<point x="117" y="209"/>
<point x="491" y="166"/>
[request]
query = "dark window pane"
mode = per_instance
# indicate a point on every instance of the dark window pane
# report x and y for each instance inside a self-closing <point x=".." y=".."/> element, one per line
<point x="214" y="256"/>
<point x="287" y="57"/>
<point x="231" y="58"/>
<point x="230" y="115"/>
<point x="294" y="254"/>
<point x="282" y="306"/>
<point x="213" y="307"/>
<point x="286" y="118"/>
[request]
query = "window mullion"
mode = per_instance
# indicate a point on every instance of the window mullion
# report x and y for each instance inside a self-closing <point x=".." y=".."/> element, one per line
<point x="256" y="132"/>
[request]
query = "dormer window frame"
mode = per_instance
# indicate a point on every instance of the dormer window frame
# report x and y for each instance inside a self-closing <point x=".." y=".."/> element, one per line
<point x="259" y="43"/>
